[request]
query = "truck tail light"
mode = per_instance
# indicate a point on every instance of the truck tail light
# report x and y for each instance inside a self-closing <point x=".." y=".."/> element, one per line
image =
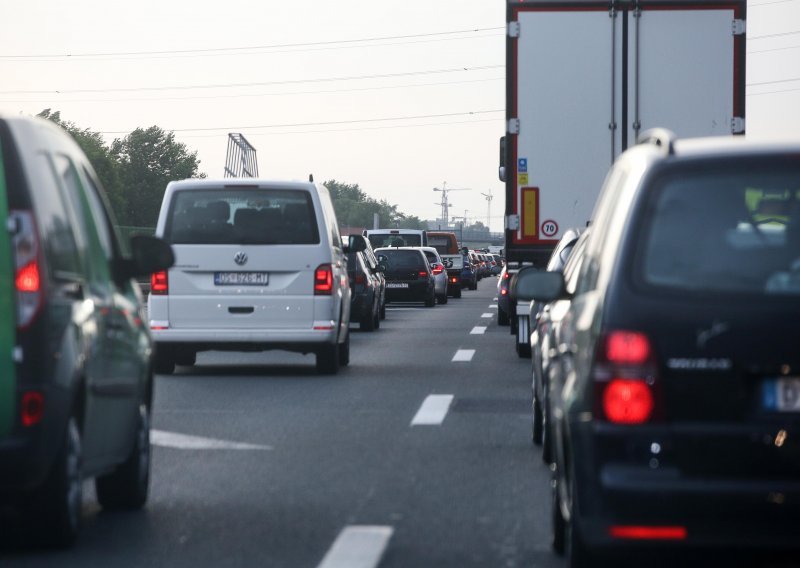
<point x="27" y="269"/>
<point x="323" y="280"/>
<point x="159" y="283"/>
<point x="625" y="375"/>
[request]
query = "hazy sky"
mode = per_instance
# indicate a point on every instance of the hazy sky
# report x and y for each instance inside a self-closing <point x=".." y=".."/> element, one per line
<point x="398" y="97"/>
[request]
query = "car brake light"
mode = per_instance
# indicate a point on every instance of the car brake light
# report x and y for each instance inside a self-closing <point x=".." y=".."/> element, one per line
<point x="323" y="280"/>
<point x="627" y="348"/>
<point x="437" y="270"/>
<point x="423" y="273"/>
<point x="27" y="271"/>
<point x="503" y="291"/>
<point x="159" y="283"/>
<point x="506" y="276"/>
<point x="648" y="533"/>
<point x="32" y="408"/>
<point x="628" y="401"/>
<point x="626" y="378"/>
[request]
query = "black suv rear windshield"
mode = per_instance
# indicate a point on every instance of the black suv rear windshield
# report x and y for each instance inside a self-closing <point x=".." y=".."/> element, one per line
<point x="252" y="216"/>
<point x="736" y="229"/>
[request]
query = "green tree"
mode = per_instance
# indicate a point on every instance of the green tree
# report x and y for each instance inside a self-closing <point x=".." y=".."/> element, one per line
<point x="354" y="208"/>
<point x="99" y="155"/>
<point x="148" y="160"/>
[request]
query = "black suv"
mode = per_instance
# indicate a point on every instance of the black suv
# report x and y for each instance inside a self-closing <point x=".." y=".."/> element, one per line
<point x="75" y="354"/>
<point x="675" y="401"/>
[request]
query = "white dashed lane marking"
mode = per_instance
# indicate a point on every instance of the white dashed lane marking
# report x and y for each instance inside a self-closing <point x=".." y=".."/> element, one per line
<point x="486" y="315"/>
<point x="186" y="442"/>
<point x="463" y="355"/>
<point x="433" y="410"/>
<point x="478" y="330"/>
<point x="358" y="546"/>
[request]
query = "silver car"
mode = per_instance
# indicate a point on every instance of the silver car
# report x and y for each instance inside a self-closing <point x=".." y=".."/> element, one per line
<point x="439" y="273"/>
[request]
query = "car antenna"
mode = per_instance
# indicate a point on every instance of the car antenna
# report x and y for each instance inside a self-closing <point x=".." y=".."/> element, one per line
<point x="311" y="177"/>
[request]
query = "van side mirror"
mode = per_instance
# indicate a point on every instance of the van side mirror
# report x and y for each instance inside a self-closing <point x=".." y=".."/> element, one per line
<point x="148" y="255"/>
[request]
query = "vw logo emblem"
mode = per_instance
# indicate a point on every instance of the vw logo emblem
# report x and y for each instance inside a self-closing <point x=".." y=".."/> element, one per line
<point x="240" y="258"/>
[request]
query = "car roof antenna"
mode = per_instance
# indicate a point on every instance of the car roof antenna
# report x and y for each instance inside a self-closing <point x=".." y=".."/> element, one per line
<point x="310" y="177"/>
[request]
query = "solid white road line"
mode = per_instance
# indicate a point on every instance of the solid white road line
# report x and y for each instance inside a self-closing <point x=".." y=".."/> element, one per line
<point x="463" y="355"/>
<point x="486" y="315"/>
<point x="358" y="546"/>
<point x="433" y="410"/>
<point x="186" y="442"/>
<point x="478" y="330"/>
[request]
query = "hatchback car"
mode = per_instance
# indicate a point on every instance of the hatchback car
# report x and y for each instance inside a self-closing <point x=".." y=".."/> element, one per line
<point x="76" y="379"/>
<point x="409" y="277"/>
<point x="366" y="292"/>
<point x="677" y="391"/>
<point x="260" y="265"/>
<point x="440" y="280"/>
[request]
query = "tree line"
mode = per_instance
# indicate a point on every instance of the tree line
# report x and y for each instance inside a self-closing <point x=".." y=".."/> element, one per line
<point x="136" y="169"/>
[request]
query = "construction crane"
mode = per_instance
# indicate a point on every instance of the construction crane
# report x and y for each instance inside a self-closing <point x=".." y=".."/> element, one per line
<point x="489" y="198"/>
<point x="445" y="204"/>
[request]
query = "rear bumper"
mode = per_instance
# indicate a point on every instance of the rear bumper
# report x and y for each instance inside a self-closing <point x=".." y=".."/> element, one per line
<point x="266" y="339"/>
<point x="635" y="480"/>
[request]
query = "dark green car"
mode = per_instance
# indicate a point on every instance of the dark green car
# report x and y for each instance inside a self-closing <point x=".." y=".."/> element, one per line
<point x="75" y="354"/>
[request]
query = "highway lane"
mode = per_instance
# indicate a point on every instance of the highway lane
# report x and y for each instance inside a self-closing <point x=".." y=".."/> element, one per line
<point x="259" y="461"/>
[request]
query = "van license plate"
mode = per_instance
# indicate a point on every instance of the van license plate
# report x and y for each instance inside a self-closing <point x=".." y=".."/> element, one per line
<point x="782" y="395"/>
<point x="241" y="278"/>
<point x="397" y="284"/>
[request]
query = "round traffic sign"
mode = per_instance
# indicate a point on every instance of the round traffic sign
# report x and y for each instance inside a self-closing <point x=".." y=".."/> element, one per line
<point x="549" y="228"/>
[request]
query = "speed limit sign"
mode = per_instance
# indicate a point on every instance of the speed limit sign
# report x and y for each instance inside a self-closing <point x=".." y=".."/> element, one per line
<point x="549" y="228"/>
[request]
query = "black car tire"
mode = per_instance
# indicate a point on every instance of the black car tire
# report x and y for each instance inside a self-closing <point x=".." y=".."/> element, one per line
<point x="344" y="352"/>
<point x="502" y="317"/>
<point x="367" y="322"/>
<point x="558" y="527"/>
<point x="442" y="299"/>
<point x="328" y="358"/>
<point x="185" y="357"/>
<point x="430" y="300"/>
<point x="523" y="350"/>
<point x="378" y="319"/>
<point x="512" y="321"/>
<point x="547" y="438"/>
<point x="127" y="486"/>
<point x="578" y="555"/>
<point x="536" y="421"/>
<point x="383" y="311"/>
<point x="457" y="293"/>
<point x="163" y="361"/>
<point x="57" y="505"/>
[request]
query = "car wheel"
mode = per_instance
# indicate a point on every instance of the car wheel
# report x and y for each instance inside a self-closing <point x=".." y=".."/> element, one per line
<point x="344" y="352"/>
<point x="430" y="301"/>
<point x="502" y="317"/>
<point x="185" y="357"/>
<point x="536" y="422"/>
<point x="578" y="555"/>
<point x="126" y="487"/>
<point x="558" y="525"/>
<point x="328" y="358"/>
<point x="58" y="503"/>
<point x="383" y="311"/>
<point x="163" y="362"/>
<point x="367" y="322"/>
<point x="457" y="293"/>
<point x="547" y="439"/>
<point x="474" y="285"/>
<point x="378" y="319"/>
<point x="442" y="299"/>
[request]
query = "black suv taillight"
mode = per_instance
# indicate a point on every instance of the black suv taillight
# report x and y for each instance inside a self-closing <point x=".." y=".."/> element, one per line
<point x="625" y="377"/>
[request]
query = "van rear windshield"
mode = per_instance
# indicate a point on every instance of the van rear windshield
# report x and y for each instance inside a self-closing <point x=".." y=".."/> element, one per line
<point x="734" y="229"/>
<point x="395" y="240"/>
<point x="252" y="216"/>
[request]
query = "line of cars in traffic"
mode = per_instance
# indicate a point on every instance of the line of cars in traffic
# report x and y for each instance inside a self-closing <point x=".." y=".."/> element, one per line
<point x="665" y="369"/>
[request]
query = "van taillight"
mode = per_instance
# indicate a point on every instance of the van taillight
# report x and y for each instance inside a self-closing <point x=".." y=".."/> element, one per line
<point x="159" y="283"/>
<point x="625" y="374"/>
<point x="323" y="280"/>
<point x="32" y="408"/>
<point x="27" y="270"/>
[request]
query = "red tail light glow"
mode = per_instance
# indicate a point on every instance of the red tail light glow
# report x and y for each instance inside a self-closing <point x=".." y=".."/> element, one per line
<point x="32" y="408"/>
<point x="503" y="291"/>
<point x="28" y="278"/>
<point x="423" y="273"/>
<point x="438" y="270"/>
<point x="159" y="283"/>
<point x="323" y="280"/>
<point x="627" y="348"/>
<point x="628" y="401"/>
<point x="648" y="533"/>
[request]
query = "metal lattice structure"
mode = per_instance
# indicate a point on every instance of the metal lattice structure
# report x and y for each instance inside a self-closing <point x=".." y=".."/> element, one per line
<point x="241" y="160"/>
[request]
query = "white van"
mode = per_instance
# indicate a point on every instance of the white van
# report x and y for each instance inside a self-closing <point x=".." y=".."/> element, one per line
<point x="259" y="265"/>
<point x="396" y="237"/>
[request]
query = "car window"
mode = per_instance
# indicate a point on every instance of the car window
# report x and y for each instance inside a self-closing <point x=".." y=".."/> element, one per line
<point x="402" y="259"/>
<point x="250" y="216"/>
<point x="727" y="231"/>
<point x="55" y="222"/>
